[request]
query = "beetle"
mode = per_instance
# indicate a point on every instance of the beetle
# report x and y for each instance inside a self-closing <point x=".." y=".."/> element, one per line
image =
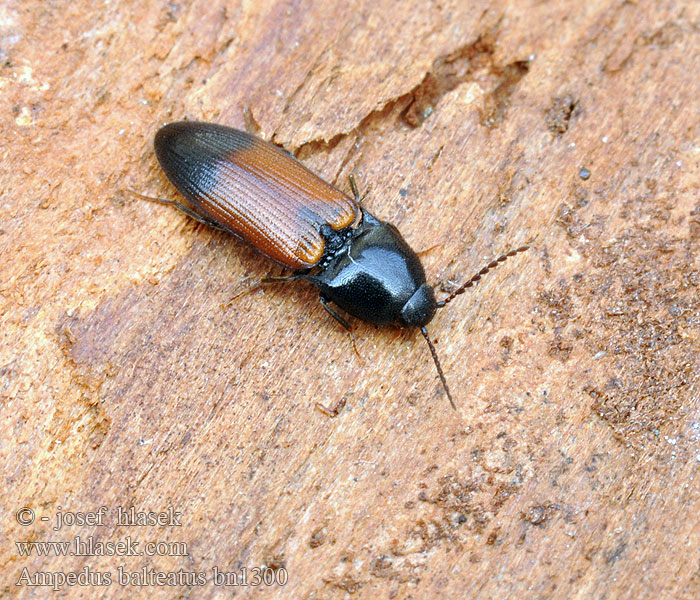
<point x="241" y="184"/>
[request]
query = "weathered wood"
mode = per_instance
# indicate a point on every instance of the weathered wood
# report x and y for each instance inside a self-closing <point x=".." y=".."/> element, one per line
<point x="570" y="468"/>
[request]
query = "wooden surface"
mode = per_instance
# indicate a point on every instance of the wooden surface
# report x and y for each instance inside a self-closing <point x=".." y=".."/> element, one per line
<point x="570" y="469"/>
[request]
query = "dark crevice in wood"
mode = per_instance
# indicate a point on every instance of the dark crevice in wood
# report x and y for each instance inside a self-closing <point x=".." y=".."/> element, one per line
<point x="474" y="62"/>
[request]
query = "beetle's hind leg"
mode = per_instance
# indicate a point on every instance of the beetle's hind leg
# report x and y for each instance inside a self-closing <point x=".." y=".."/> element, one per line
<point x="249" y="284"/>
<point x="180" y="206"/>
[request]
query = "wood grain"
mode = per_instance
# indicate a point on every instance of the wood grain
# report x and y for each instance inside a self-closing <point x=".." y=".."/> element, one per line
<point x="571" y="467"/>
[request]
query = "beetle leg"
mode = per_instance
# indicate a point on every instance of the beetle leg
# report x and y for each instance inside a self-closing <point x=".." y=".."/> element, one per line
<point x="183" y="207"/>
<point x="325" y="302"/>
<point x="355" y="191"/>
<point x="280" y="279"/>
<point x="248" y="284"/>
<point x="424" y="252"/>
<point x="353" y="186"/>
<point x="197" y="217"/>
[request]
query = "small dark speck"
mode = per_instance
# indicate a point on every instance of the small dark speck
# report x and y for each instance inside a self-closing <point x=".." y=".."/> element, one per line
<point x="584" y="173"/>
<point x="615" y="555"/>
<point x="403" y="192"/>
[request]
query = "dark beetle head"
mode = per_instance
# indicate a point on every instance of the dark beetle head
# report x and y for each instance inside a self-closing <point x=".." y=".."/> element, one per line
<point x="420" y="308"/>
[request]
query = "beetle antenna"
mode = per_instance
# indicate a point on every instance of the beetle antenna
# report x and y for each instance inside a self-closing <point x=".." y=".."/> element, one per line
<point x="424" y="331"/>
<point x="474" y="280"/>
